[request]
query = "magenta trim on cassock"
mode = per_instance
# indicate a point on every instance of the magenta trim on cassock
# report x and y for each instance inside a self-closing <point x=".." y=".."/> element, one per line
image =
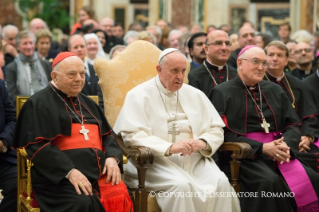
<point x="293" y="172"/>
<point x="316" y="143"/>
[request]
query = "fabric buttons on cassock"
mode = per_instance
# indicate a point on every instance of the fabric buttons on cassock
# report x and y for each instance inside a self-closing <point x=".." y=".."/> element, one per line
<point x="257" y="99"/>
<point x="85" y="120"/>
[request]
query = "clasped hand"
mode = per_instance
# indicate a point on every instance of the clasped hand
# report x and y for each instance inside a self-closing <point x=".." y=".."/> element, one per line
<point x="187" y="147"/>
<point x="278" y="150"/>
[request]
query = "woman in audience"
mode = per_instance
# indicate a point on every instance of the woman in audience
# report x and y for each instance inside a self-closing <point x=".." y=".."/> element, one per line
<point x="147" y="36"/>
<point x="94" y="48"/>
<point x="85" y="13"/>
<point x="43" y="44"/>
<point x="129" y="37"/>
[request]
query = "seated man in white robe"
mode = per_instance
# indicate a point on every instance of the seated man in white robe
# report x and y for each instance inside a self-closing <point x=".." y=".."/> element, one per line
<point x="183" y="130"/>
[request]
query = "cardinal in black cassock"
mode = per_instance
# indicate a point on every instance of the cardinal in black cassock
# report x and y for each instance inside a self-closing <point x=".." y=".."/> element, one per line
<point x="69" y="133"/>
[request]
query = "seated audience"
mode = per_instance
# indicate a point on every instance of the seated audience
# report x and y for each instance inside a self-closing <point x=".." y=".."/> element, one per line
<point x="27" y="74"/>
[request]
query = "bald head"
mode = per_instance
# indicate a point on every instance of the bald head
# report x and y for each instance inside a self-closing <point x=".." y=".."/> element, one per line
<point x="246" y="36"/>
<point x="36" y="24"/>
<point x="91" y="21"/>
<point x="217" y="47"/>
<point x="252" y="65"/>
<point x="106" y="25"/>
<point x="77" y="45"/>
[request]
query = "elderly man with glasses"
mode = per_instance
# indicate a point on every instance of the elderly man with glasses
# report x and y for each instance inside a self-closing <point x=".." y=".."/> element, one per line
<point x="77" y="162"/>
<point x="304" y="57"/>
<point x="259" y="113"/>
<point x="214" y="69"/>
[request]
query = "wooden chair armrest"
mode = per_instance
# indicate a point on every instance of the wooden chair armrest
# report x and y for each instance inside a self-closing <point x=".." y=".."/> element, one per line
<point x="142" y="155"/>
<point x="239" y="150"/>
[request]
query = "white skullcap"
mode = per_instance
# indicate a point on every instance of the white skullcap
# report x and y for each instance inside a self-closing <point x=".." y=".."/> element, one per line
<point x="166" y="52"/>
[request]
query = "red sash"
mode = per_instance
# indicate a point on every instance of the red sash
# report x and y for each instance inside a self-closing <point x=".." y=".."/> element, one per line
<point x="77" y="141"/>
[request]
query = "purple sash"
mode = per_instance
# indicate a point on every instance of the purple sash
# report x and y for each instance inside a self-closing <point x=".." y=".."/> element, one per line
<point x="294" y="174"/>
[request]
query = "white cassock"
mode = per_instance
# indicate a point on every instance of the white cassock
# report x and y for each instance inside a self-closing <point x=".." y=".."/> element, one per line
<point x="144" y="121"/>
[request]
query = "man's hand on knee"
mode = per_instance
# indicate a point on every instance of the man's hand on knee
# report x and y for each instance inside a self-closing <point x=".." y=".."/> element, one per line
<point x="113" y="171"/>
<point x="79" y="181"/>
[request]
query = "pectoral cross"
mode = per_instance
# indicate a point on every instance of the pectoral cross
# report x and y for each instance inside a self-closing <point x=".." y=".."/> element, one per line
<point x="85" y="133"/>
<point x="174" y="132"/>
<point x="265" y="125"/>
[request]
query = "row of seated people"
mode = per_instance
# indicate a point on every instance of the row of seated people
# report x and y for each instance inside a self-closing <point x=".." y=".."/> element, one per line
<point x="191" y="131"/>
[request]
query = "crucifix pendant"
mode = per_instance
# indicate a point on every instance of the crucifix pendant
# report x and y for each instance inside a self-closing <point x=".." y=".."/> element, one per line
<point x="85" y="133"/>
<point x="174" y="132"/>
<point x="265" y="125"/>
<point x="293" y="105"/>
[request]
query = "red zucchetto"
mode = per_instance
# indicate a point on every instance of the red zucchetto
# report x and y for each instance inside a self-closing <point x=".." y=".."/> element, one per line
<point x="61" y="56"/>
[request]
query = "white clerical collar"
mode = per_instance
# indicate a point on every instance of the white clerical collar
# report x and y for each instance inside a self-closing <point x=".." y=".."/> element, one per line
<point x="307" y="72"/>
<point x="278" y="78"/>
<point x="162" y="88"/>
<point x="54" y="84"/>
<point x="219" y="67"/>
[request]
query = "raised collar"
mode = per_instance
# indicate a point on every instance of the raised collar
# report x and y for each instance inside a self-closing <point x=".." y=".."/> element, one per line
<point x="238" y="80"/>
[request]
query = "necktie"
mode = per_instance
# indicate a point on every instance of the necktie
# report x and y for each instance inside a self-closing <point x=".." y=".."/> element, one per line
<point x="35" y="79"/>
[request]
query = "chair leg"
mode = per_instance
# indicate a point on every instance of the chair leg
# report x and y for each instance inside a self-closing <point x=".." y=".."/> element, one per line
<point x="141" y="194"/>
<point x="234" y="169"/>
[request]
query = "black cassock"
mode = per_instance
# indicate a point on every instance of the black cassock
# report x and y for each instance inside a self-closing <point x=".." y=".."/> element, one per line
<point x="201" y="79"/>
<point x="241" y="116"/>
<point x="301" y="74"/>
<point x="312" y="85"/>
<point x="305" y="107"/>
<point x="45" y="117"/>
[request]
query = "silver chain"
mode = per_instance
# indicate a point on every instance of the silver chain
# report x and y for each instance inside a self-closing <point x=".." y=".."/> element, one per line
<point x="165" y="104"/>
<point x="261" y="100"/>
<point x="212" y="75"/>
<point x="81" y="121"/>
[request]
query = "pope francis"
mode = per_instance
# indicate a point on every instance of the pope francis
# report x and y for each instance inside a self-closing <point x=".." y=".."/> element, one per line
<point x="183" y="130"/>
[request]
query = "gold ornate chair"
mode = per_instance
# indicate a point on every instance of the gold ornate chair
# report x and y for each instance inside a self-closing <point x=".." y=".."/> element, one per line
<point x="26" y="199"/>
<point x="133" y="66"/>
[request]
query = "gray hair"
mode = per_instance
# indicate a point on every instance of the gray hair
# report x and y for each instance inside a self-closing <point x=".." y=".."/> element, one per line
<point x="302" y="36"/>
<point x="114" y="49"/>
<point x="129" y="34"/>
<point x="25" y="34"/>
<point x="174" y="31"/>
<point x="8" y="28"/>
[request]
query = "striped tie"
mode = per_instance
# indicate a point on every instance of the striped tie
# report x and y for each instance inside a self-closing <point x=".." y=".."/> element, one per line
<point x="35" y="79"/>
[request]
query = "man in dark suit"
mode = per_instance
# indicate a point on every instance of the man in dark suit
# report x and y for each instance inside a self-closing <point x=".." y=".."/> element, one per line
<point x="27" y="74"/>
<point x="196" y="46"/>
<point x="8" y="157"/>
<point x="77" y="45"/>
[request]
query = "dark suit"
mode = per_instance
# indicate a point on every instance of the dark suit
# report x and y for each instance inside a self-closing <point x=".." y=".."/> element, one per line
<point x="11" y="77"/>
<point x="91" y="86"/>
<point x="8" y="160"/>
<point x="232" y="61"/>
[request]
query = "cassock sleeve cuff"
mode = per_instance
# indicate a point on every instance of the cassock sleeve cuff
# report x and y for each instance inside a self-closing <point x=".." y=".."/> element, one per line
<point x="167" y="154"/>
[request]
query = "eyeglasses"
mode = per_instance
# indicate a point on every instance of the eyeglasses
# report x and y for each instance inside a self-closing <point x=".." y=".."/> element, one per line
<point x="299" y="51"/>
<point x="220" y="43"/>
<point x="257" y="62"/>
<point x="73" y="74"/>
